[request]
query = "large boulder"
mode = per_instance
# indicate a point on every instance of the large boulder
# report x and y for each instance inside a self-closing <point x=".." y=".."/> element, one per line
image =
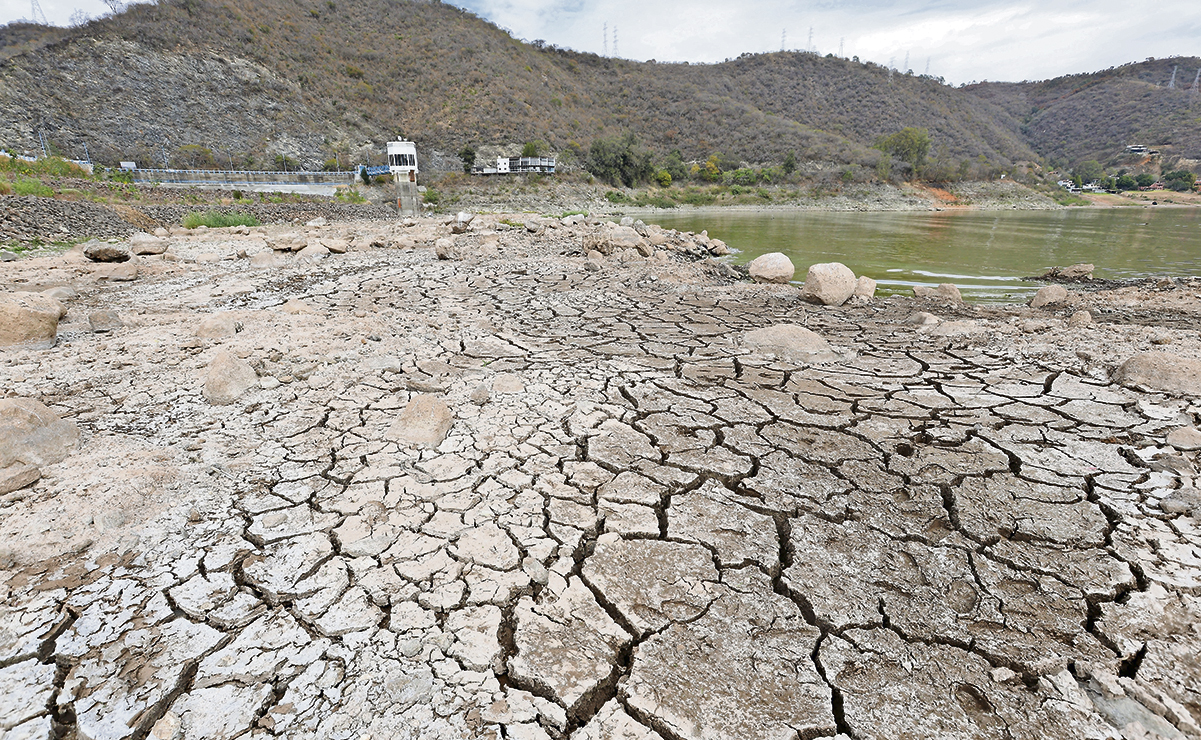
<point x="829" y="283"/>
<point x="609" y="239"/>
<point x="790" y="342"/>
<point x="98" y="251"/>
<point x="32" y="434"/>
<point x="29" y="320"/>
<point x="1161" y="371"/>
<point x="143" y="243"/>
<point x="865" y="288"/>
<point x="425" y="421"/>
<point x="228" y="377"/>
<point x="773" y="267"/>
<point x="944" y="293"/>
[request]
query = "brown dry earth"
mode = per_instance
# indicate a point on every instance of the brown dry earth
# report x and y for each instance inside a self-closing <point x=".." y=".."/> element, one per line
<point x="523" y="493"/>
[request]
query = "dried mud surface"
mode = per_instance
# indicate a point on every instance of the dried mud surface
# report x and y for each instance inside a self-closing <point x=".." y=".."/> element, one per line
<point x="627" y="525"/>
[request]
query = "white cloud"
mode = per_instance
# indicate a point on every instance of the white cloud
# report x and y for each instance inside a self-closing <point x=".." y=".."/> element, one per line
<point x="963" y="40"/>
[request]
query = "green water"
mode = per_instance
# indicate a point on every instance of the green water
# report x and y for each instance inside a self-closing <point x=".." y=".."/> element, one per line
<point x="985" y="253"/>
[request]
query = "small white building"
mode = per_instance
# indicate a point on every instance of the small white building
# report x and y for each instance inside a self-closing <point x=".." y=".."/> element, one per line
<point x="402" y="160"/>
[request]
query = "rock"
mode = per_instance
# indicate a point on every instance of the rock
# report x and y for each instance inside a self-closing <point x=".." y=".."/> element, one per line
<point x="123" y="273"/>
<point x="17" y="476"/>
<point x="480" y="395"/>
<point x="317" y="222"/>
<point x="32" y="434"/>
<point x="98" y="251"/>
<point x="533" y="226"/>
<point x="104" y="321"/>
<point x="462" y="222"/>
<point x="61" y="293"/>
<point x="1049" y="295"/>
<point x="865" y="288"/>
<point x="29" y="320"/>
<point x="507" y="383"/>
<point x="295" y="306"/>
<point x="960" y="329"/>
<point x="790" y="342"/>
<point x="313" y="253"/>
<point x="264" y="259"/>
<point x="336" y="246"/>
<point x="426" y="420"/>
<point x="718" y="248"/>
<point x="613" y="723"/>
<point x="609" y="239"/>
<point x="944" y="293"/>
<point x="143" y="243"/>
<point x="7" y="256"/>
<point x="488" y="545"/>
<point x="160" y="231"/>
<point x="828" y="283"/>
<point x="228" y="377"/>
<point x="568" y="645"/>
<point x="1185" y="439"/>
<point x="1081" y="271"/>
<point x="1079" y="319"/>
<point x="444" y="248"/>
<point x="773" y="267"/>
<point x="218" y="326"/>
<point x="1162" y="371"/>
<point x="922" y="318"/>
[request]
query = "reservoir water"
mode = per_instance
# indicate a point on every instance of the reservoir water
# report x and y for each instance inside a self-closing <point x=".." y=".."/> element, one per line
<point x="985" y="253"/>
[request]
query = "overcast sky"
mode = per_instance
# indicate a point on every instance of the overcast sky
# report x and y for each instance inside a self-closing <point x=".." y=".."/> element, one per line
<point x="961" y="40"/>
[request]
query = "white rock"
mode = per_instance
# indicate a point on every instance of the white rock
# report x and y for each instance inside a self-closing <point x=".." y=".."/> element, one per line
<point x="143" y="243"/>
<point x="790" y="342"/>
<point x="773" y="267"/>
<point x="424" y="421"/>
<point x="828" y="283"/>
<point x="32" y="434"/>
<point x="1049" y="295"/>
<point x="29" y="320"/>
<point x="865" y="288"/>
<point x="228" y="377"/>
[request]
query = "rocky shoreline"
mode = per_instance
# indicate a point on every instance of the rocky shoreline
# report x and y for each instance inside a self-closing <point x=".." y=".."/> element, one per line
<point x="514" y="476"/>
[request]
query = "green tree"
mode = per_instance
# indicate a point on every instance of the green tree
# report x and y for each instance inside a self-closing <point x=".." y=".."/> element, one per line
<point x="1180" y="181"/>
<point x="1089" y="171"/>
<point x="1144" y="180"/>
<point x="663" y="177"/>
<point x="910" y="145"/>
<point x="467" y="154"/>
<point x="674" y="166"/>
<point x="532" y="149"/>
<point x="619" y="160"/>
<point x="1126" y="182"/>
<point x="790" y="163"/>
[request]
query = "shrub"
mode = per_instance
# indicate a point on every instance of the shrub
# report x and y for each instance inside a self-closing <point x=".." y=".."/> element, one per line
<point x="217" y="219"/>
<point x="616" y="196"/>
<point x="619" y="161"/>
<point x="663" y="177"/>
<point x="33" y="187"/>
<point x="431" y="196"/>
<point x="6" y="187"/>
<point x="237" y="195"/>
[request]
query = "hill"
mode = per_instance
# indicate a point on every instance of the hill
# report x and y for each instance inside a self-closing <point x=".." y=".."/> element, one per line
<point x="1094" y="116"/>
<point x="208" y="83"/>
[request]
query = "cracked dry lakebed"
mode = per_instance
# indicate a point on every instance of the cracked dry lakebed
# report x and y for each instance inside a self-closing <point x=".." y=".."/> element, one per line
<point x="374" y="480"/>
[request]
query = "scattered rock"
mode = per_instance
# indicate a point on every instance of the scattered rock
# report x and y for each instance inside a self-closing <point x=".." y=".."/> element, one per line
<point x="17" y="476"/>
<point x="426" y="420"/>
<point x="1079" y="319"/>
<point x="7" y="256"/>
<point x="462" y="222"/>
<point x="29" y="320"/>
<point x="218" y="326"/>
<point x="296" y="306"/>
<point x="1161" y="371"/>
<point x="609" y="239"/>
<point x="123" y="273"/>
<point x="61" y="293"/>
<point x="1049" y="295"/>
<point x="922" y="318"/>
<point x="313" y="253"/>
<point x="1185" y="439"/>
<point x="773" y="267"/>
<point x="104" y="321"/>
<point x="264" y="259"/>
<point x="790" y="342"/>
<point x="98" y="251"/>
<point x="143" y="243"/>
<point x="865" y="288"/>
<point x="828" y="283"/>
<point x="32" y="434"/>
<point x="1081" y="271"/>
<point x="444" y="248"/>
<point x="228" y="377"/>
<point x="944" y="293"/>
<point x="316" y="222"/>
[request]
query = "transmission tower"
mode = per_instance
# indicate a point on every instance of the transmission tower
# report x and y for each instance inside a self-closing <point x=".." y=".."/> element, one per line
<point x="892" y="63"/>
<point x="1171" y="83"/>
<point x="810" y="46"/>
<point x="841" y="42"/>
<point x="927" y="66"/>
<point x="615" y="54"/>
<point x="36" y="10"/>
<point x="906" y="67"/>
<point x="606" y="34"/>
<point x="784" y="39"/>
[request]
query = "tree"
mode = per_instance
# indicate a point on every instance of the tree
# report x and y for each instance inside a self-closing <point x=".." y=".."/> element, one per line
<point x="909" y="145"/>
<point x="531" y="149"/>
<point x="1144" y="180"/>
<point x="1126" y="182"/>
<point x="1089" y="171"/>
<point x="467" y="154"/>
<point x="790" y="163"/>
<point x="619" y="160"/>
<point x="1180" y="181"/>
<point x="674" y="166"/>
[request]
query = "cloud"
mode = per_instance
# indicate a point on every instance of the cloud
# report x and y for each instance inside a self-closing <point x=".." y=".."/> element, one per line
<point x="961" y="40"/>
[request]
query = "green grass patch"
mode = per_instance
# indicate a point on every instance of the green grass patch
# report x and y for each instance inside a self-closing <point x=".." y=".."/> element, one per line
<point x="350" y="196"/>
<point x="33" y="187"/>
<point x="654" y="200"/>
<point x="6" y="187"/>
<point x="52" y="166"/>
<point x="217" y="219"/>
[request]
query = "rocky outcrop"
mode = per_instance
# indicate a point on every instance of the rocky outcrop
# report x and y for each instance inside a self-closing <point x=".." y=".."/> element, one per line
<point x="829" y="283"/>
<point x="29" y="320"/>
